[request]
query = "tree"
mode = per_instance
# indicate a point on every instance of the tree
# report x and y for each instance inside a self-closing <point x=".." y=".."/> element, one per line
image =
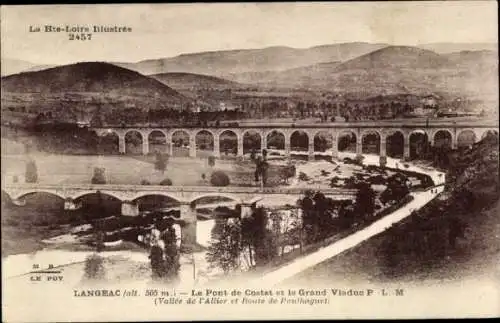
<point x="164" y="254"/>
<point x="157" y="262"/>
<point x="260" y="242"/>
<point x="219" y="178"/>
<point x="287" y="172"/>
<point x="396" y="189"/>
<point x="253" y="154"/>
<point x="364" y="205"/>
<point x="263" y="169"/>
<point x="98" y="177"/>
<point x="171" y="251"/>
<point x="31" y="174"/>
<point x="166" y="182"/>
<point x="320" y="143"/>
<point x="224" y="248"/>
<point x="161" y="161"/>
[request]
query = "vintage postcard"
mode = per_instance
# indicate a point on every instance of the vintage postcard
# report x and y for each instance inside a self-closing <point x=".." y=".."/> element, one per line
<point x="214" y="161"/>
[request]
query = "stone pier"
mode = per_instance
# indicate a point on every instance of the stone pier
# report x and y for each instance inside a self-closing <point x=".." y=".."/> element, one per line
<point x="130" y="208"/>
<point x="188" y="215"/>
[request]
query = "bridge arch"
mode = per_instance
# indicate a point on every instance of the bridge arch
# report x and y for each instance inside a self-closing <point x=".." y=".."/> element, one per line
<point x="204" y="130"/>
<point x="228" y="142"/>
<point x="228" y="196"/>
<point x="158" y="142"/>
<point x="370" y="142"/>
<point x="24" y="194"/>
<point x="180" y="141"/>
<point x="347" y="141"/>
<point x="442" y="138"/>
<point x="171" y="196"/>
<point x="466" y="138"/>
<point x="83" y="194"/>
<point x="150" y="201"/>
<point x="252" y="140"/>
<point x="204" y="142"/>
<point x="323" y="140"/>
<point x="299" y="140"/>
<point x="395" y="143"/>
<point x="109" y="142"/>
<point x="133" y="142"/>
<point x="275" y="139"/>
<point x="419" y="143"/>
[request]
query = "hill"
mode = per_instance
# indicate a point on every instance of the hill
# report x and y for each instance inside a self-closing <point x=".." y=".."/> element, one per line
<point x="229" y="62"/>
<point x="483" y="59"/>
<point x="85" y="77"/>
<point x="190" y="81"/>
<point x="394" y="70"/>
<point x="396" y="57"/>
<point x="82" y="91"/>
<point x="446" y="48"/>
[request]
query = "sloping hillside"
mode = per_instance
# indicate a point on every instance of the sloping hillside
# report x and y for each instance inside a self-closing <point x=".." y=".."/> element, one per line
<point x="86" y="77"/>
<point x="474" y="60"/>
<point x="189" y="81"/>
<point x="445" y="48"/>
<point x="83" y="87"/>
<point x="396" y="57"/>
<point x="394" y="70"/>
<point x="453" y="237"/>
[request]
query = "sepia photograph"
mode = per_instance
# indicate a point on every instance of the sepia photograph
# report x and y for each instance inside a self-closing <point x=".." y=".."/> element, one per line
<point x="280" y="160"/>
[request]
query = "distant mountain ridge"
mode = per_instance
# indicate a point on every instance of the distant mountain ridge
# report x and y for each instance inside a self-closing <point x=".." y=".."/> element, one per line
<point x="393" y="70"/>
<point x="276" y="58"/>
<point x="388" y="70"/>
<point x="396" y="57"/>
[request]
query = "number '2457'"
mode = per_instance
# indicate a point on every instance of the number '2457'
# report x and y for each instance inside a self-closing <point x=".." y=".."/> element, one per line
<point x="80" y="36"/>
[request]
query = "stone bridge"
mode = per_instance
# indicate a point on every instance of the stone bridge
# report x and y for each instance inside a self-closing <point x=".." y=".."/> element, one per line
<point x="357" y="131"/>
<point x="130" y="196"/>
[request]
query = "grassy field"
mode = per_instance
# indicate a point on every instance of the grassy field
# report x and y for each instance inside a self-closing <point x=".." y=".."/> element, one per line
<point x="59" y="169"/>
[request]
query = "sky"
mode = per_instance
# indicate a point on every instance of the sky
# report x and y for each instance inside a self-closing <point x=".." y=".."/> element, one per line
<point x="166" y="30"/>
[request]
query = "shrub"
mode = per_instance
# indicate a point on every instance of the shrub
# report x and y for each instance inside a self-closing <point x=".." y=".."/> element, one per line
<point x="145" y="182"/>
<point x="288" y="172"/>
<point x="303" y="177"/>
<point x="219" y="178"/>
<point x="333" y="181"/>
<point x="359" y="159"/>
<point x="348" y="160"/>
<point x="166" y="182"/>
